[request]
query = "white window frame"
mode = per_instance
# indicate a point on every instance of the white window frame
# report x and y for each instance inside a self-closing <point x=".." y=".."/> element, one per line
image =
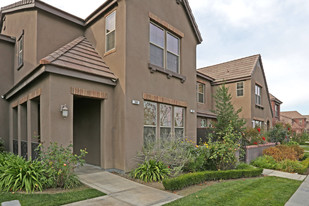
<point x="276" y="110"/>
<point x="20" y="51"/>
<point x="240" y="89"/>
<point x="198" y="92"/>
<point x="183" y="119"/>
<point x="258" y="96"/>
<point x="165" y="50"/>
<point x="107" y="33"/>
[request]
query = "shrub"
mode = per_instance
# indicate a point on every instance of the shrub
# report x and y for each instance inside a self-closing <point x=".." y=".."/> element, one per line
<point x="265" y="161"/>
<point x="306" y="155"/>
<point x="200" y="156"/>
<point x="151" y="171"/>
<point x="291" y="166"/>
<point x="243" y="166"/>
<point x="279" y="133"/>
<point x="189" y="179"/>
<point x="283" y="152"/>
<point x="2" y="148"/>
<point x="18" y="174"/>
<point x="172" y="152"/>
<point x="61" y="161"/>
<point x="305" y="162"/>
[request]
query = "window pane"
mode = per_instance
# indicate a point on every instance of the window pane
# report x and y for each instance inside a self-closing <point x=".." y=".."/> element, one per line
<point x="110" y="41"/>
<point x="157" y="35"/>
<point x="165" y="115"/>
<point x="179" y="116"/>
<point x="240" y="92"/>
<point x="165" y="132"/>
<point x="240" y="85"/>
<point x="179" y="133"/>
<point x="110" y="22"/>
<point x="200" y="98"/>
<point x="149" y="134"/>
<point x="172" y="62"/>
<point x="201" y="88"/>
<point x="150" y="113"/>
<point x="172" y="44"/>
<point x="156" y="56"/>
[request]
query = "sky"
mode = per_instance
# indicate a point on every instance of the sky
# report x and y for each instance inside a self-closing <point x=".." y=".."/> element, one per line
<point x="232" y="29"/>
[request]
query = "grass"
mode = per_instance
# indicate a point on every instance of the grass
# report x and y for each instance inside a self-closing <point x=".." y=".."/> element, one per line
<point x="306" y="147"/>
<point x="273" y="191"/>
<point x="42" y="199"/>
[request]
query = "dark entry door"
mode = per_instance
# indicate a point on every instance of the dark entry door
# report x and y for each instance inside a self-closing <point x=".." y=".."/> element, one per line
<point x="86" y="128"/>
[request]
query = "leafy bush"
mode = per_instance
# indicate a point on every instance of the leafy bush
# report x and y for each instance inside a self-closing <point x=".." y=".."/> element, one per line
<point x="2" y="148"/>
<point x="172" y="152"/>
<point x="301" y="138"/>
<point x="291" y="166"/>
<point x="279" y="133"/>
<point x="267" y="162"/>
<point x="61" y="161"/>
<point x="306" y="155"/>
<point x="18" y="174"/>
<point x="283" y="152"/>
<point x="200" y="156"/>
<point x="243" y="166"/>
<point x="189" y="179"/>
<point x="305" y="162"/>
<point x="151" y="171"/>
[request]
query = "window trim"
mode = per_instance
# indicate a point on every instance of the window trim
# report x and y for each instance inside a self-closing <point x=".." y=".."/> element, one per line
<point x="106" y="34"/>
<point x="165" y="50"/>
<point x="276" y="110"/>
<point x="258" y="95"/>
<point x="198" y="92"/>
<point x="20" y="53"/>
<point x="239" y="89"/>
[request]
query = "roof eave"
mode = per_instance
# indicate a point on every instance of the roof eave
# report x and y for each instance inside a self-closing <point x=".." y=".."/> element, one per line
<point x="204" y="76"/>
<point x="104" y="7"/>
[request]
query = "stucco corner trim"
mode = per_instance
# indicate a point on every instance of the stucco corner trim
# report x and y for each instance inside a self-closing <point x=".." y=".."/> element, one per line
<point x="88" y="93"/>
<point x="165" y="100"/>
<point x="163" y="23"/>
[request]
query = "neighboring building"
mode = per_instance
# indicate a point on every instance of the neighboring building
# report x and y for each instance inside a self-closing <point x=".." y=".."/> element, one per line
<point x="247" y="84"/>
<point x="124" y="74"/>
<point x="295" y="119"/>
<point x="275" y="105"/>
<point x="307" y="123"/>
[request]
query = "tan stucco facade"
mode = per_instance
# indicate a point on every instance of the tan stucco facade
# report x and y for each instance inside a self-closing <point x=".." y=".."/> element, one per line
<point x="39" y="90"/>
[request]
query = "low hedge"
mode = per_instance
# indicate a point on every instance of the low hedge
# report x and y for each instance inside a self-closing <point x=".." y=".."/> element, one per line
<point x="189" y="179"/>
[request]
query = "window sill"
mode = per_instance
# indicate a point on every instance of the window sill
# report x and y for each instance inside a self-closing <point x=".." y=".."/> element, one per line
<point x="110" y="52"/>
<point x="259" y="106"/>
<point x="170" y="74"/>
<point x="20" y="66"/>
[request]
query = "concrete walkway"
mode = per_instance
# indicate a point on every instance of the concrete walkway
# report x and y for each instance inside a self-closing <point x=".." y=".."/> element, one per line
<point x="301" y="196"/>
<point x="287" y="175"/>
<point x="120" y="191"/>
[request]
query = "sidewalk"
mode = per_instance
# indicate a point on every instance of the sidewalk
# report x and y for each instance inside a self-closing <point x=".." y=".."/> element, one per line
<point x="301" y="196"/>
<point x="276" y="173"/>
<point x="120" y="191"/>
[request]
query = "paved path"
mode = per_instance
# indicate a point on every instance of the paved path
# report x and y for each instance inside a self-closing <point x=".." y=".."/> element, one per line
<point x="284" y="175"/>
<point x="301" y="196"/>
<point x="120" y="191"/>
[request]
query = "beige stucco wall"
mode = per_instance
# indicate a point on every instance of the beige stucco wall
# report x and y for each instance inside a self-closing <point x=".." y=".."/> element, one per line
<point x="6" y="81"/>
<point x="15" y="24"/>
<point x="264" y="113"/>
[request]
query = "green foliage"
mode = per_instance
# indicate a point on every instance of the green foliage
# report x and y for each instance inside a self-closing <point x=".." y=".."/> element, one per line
<point x="223" y="153"/>
<point x="306" y="155"/>
<point x="291" y="142"/>
<point x="189" y="179"/>
<point x="255" y="136"/>
<point x="18" y="174"/>
<point x="305" y="162"/>
<point x="200" y="157"/>
<point x="243" y="166"/>
<point x="301" y="138"/>
<point x="2" y="148"/>
<point x="286" y="165"/>
<point x="151" y="171"/>
<point x="267" y="162"/>
<point x="61" y="161"/>
<point x="279" y="133"/>
<point x="226" y="115"/>
<point x="172" y="152"/>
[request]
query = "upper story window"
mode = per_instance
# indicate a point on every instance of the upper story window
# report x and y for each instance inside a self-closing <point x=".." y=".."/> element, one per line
<point x="110" y="32"/>
<point x="258" y="94"/>
<point x="276" y="110"/>
<point x="240" y="89"/>
<point x="164" y="49"/>
<point x="20" y="51"/>
<point x="200" y="92"/>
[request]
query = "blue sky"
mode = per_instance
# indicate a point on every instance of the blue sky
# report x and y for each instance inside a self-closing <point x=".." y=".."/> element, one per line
<point x="231" y="29"/>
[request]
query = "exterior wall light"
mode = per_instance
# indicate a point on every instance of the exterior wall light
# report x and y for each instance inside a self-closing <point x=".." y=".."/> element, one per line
<point x="192" y="111"/>
<point x="64" y="111"/>
<point x="135" y="102"/>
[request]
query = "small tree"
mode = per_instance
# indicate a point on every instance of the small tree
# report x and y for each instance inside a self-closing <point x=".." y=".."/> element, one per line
<point x="226" y="115"/>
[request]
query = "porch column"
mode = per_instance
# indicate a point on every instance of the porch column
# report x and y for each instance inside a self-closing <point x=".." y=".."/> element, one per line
<point x="29" y="128"/>
<point x="11" y="126"/>
<point x="19" y="129"/>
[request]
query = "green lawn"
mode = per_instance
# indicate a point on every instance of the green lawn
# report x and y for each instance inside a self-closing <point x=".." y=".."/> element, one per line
<point x="66" y="197"/>
<point x="306" y="147"/>
<point x="247" y="192"/>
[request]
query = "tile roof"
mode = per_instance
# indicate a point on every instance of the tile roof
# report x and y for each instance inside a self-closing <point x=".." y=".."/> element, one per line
<point x="231" y="70"/>
<point x="292" y="115"/>
<point x="273" y="98"/>
<point x="17" y="4"/>
<point x="79" y="55"/>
